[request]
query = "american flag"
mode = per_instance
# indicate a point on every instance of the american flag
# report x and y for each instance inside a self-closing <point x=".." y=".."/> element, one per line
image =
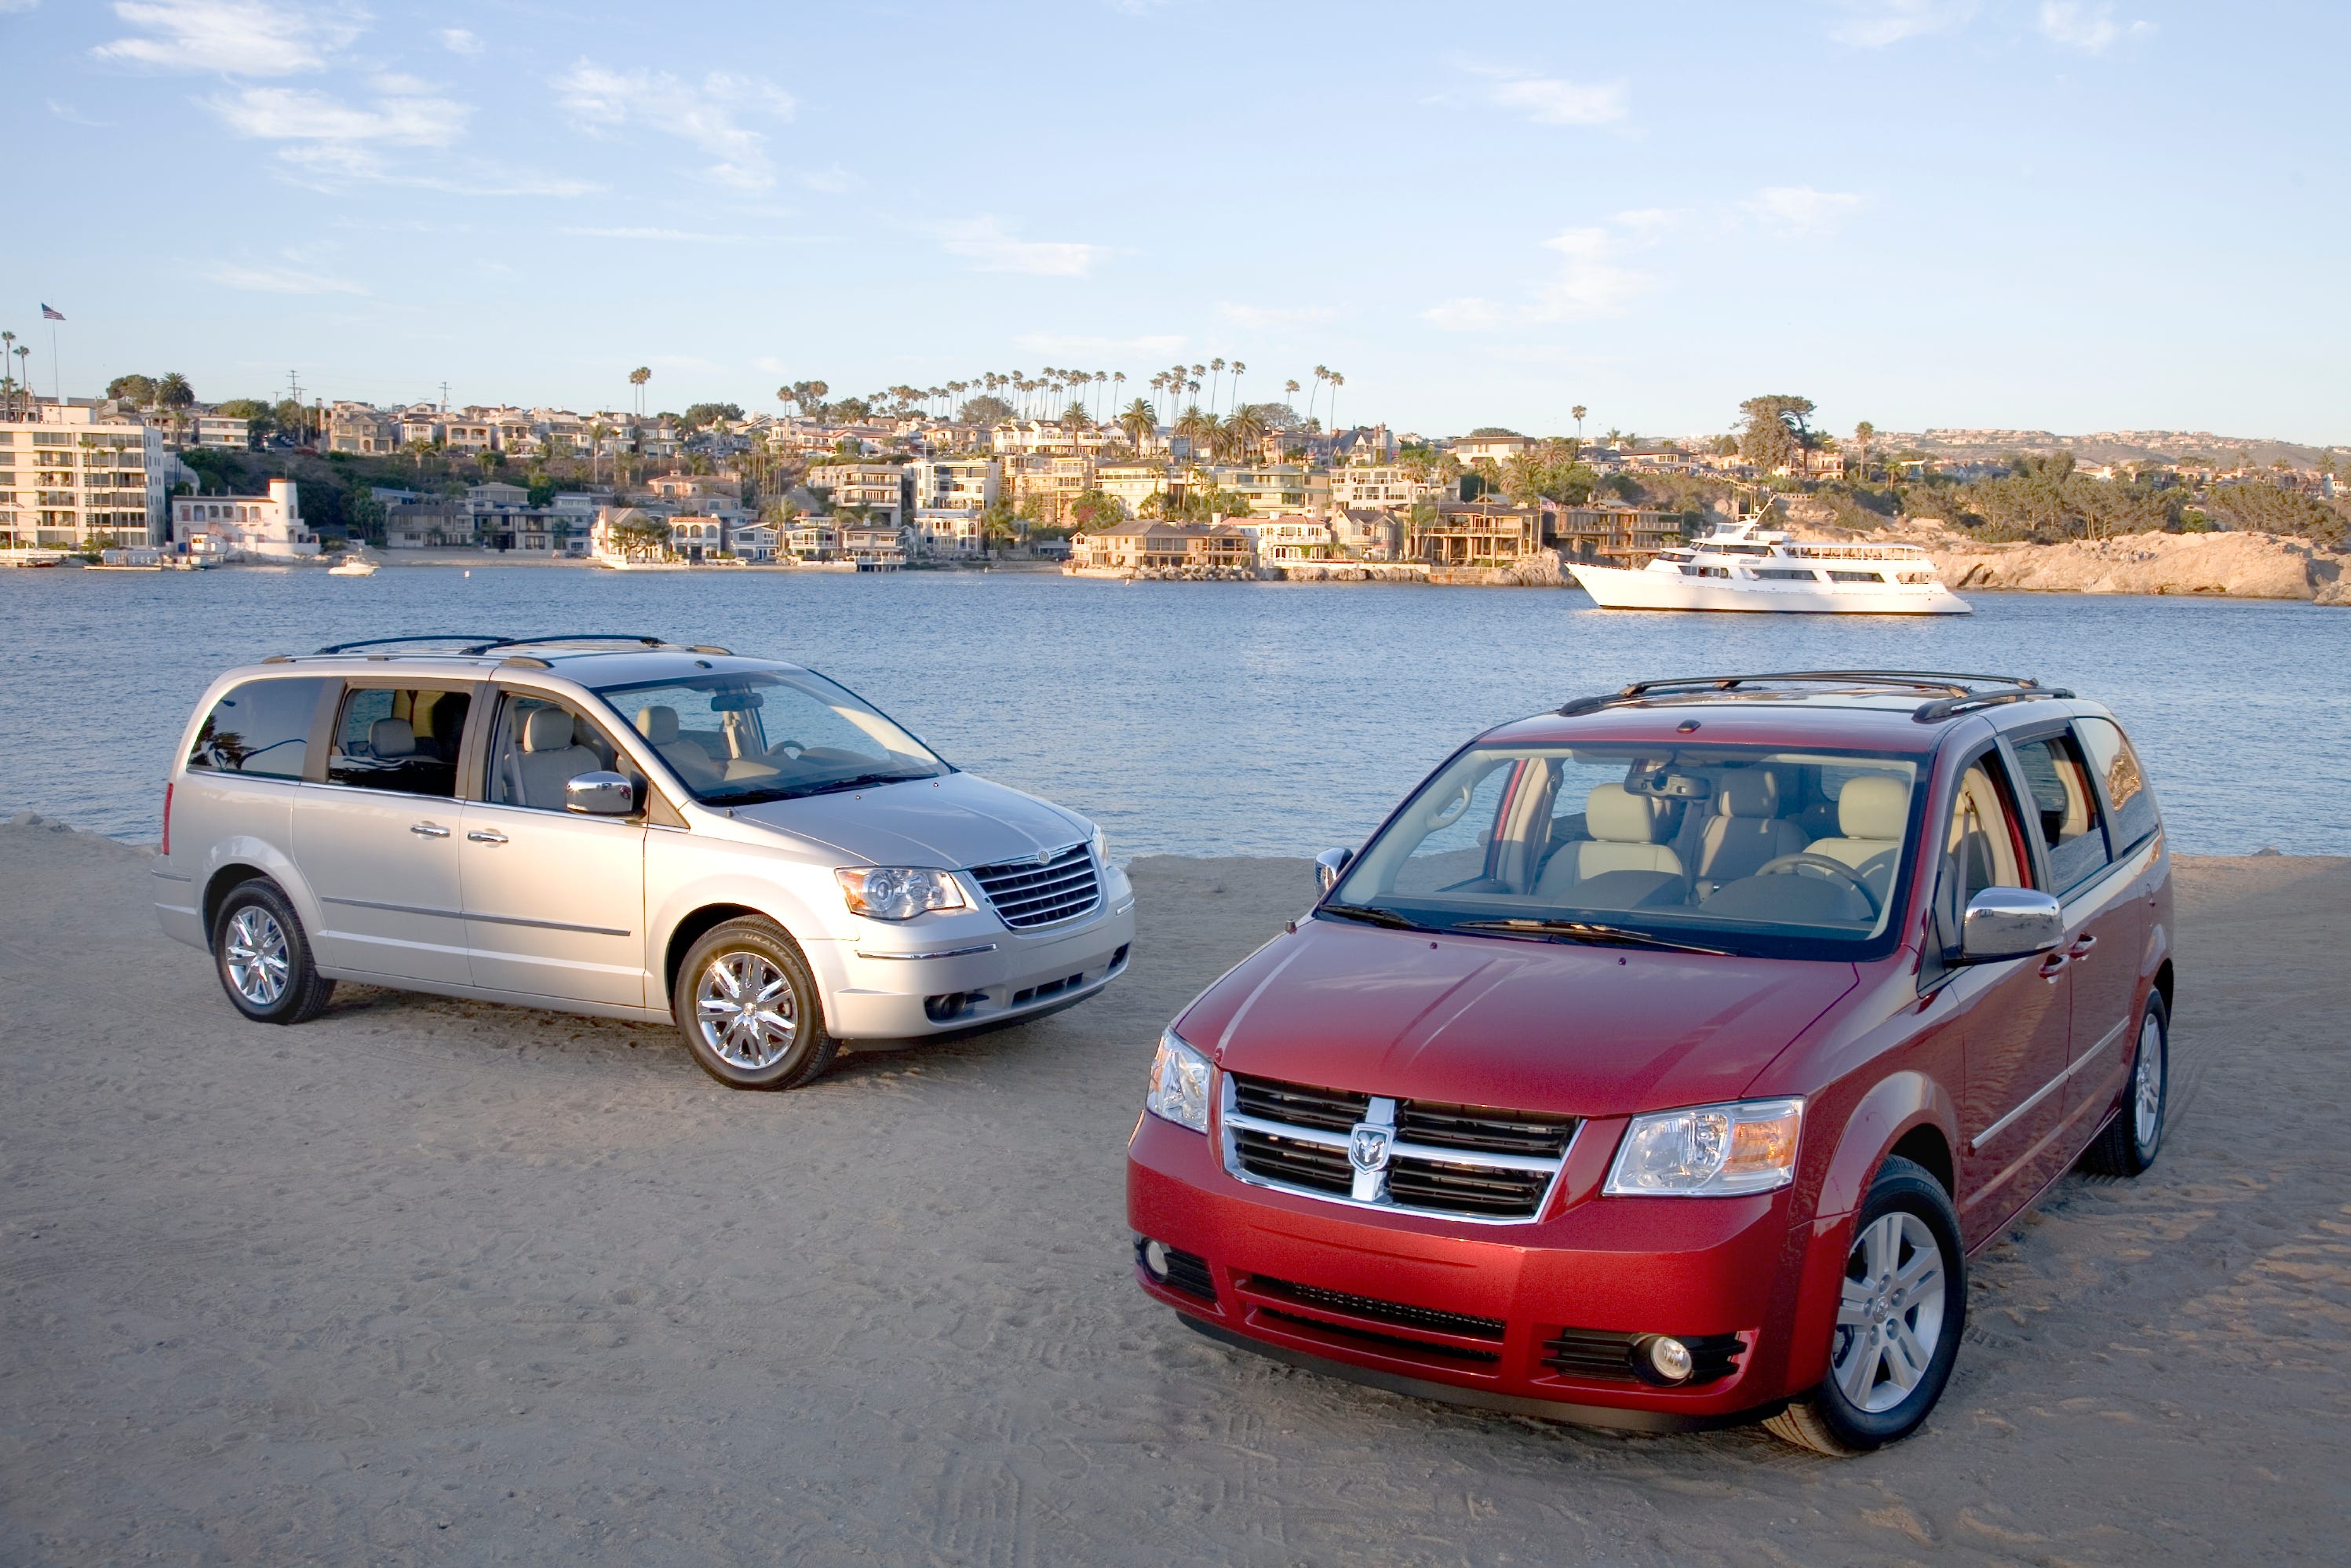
<point x="50" y="315"/>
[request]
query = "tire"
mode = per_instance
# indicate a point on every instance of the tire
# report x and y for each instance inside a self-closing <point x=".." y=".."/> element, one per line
<point x="748" y="1009"/>
<point x="262" y="955"/>
<point x="1876" y="1392"/>
<point x="2133" y="1139"/>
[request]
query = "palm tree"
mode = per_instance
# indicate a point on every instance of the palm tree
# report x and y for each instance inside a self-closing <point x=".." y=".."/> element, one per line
<point x="1579" y="411"/>
<point x="1238" y="371"/>
<point x="1244" y="428"/>
<point x="1195" y="427"/>
<point x="1290" y="393"/>
<point x="1321" y="374"/>
<point x="637" y="379"/>
<point x="1863" y="434"/>
<point x="1139" y="421"/>
<point x="1215" y="369"/>
<point x="1337" y="381"/>
<point x="597" y="433"/>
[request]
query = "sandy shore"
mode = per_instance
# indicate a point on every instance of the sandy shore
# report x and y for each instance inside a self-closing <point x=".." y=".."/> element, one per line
<point x="430" y="1280"/>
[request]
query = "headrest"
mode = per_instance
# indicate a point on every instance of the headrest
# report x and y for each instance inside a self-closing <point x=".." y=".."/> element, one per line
<point x="1614" y="815"/>
<point x="547" y="729"/>
<point x="1873" y="807"/>
<point x="658" y="724"/>
<point x="392" y="738"/>
<point x="1750" y="792"/>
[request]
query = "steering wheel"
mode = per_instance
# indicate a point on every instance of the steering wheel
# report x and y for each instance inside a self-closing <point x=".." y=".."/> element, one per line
<point x="1838" y="869"/>
<point x="788" y="750"/>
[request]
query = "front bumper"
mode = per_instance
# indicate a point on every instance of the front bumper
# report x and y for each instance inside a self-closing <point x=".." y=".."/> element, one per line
<point x="922" y="984"/>
<point x="1516" y="1318"/>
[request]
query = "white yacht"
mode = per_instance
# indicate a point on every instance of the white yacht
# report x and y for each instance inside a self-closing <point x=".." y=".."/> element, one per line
<point x="352" y="566"/>
<point x="1745" y="566"/>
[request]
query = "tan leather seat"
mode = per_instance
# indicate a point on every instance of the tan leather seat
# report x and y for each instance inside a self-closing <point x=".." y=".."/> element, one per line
<point x="551" y="758"/>
<point x="1623" y="828"/>
<point x="658" y="724"/>
<point x="1873" y="813"/>
<point x="390" y="737"/>
<point x="1746" y="831"/>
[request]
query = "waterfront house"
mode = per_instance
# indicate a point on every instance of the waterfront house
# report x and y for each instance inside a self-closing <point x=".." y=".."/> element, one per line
<point x="1500" y="449"/>
<point x="1610" y="534"/>
<point x="1383" y="487"/>
<point x="1288" y="537"/>
<point x="260" y="528"/>
<point x="1473" y="533"/>
<point x="1367" y="533"/>
<point x="884" y="490"/>
<point x="1154" y="544"/>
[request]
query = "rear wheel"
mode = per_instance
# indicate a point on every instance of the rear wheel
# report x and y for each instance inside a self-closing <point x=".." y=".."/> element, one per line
<point x="748" y="1007"/>
<point x="1903" y="1304"/>
<point x="263" y="956"/>
<point x="2135" y="1137"/>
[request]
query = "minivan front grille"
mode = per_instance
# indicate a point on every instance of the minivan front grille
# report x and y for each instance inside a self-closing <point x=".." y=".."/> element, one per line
<point x="1060" y="886"/>
<point x="1467" y="1161"/>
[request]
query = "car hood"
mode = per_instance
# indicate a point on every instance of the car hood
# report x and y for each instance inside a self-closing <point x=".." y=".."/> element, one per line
<point x="1531" y="1026"/>
<point x="949" y="822"/>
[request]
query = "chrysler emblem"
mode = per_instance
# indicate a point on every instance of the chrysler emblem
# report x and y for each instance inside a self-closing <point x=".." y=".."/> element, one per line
<point x="1367" y="1146"/>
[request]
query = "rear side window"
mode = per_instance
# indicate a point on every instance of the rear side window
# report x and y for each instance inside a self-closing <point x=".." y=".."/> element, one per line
<point x="402" y="738"/>
<point x="2068" y="808"/>
<point x="261" y="728"/>
<point x="2117" y="765"/>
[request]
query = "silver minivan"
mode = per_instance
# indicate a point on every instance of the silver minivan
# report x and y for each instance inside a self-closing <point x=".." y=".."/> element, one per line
<point x="624" y="826"/>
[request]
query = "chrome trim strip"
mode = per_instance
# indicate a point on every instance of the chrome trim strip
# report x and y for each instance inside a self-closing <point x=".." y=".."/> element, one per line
<point x="942" y="953"/>
<point x="168" y="875"/>
<point x="486" y="919"/>
<point x="1989" y="1133"/>
<point x="1229" y="1120"/>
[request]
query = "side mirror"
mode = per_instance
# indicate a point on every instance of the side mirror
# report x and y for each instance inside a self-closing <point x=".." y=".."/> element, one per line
<point x="600" y="795"/>
<point x="2009" y="923"/>
<point x="1331" y="865"/>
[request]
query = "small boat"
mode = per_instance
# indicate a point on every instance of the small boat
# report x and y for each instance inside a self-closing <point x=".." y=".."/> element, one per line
<point x="357" y="566"/>
<point x="1746" y="567"/>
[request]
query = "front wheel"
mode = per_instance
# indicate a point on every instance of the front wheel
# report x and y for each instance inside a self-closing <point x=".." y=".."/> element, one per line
<point x="263" y="956"/>
<point x="748" y="1007"/>
<point x="2135" y="1137"/>
<point x="1903" y="1301"/>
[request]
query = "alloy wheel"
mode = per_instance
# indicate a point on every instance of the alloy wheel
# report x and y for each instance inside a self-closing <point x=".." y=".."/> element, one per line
<point x="744" y="1006"/>
<point x="257" y="956"/>
<point x="1890" y="1319"/>
<point x="2147" y="1083"/>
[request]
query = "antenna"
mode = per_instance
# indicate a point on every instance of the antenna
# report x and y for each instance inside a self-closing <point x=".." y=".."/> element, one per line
<point x="444" y="397"/>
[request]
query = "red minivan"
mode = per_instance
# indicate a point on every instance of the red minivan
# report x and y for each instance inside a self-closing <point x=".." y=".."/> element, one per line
<point x="1661" y="1061"/>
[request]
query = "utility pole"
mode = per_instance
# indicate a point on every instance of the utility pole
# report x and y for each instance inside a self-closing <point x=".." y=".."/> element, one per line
<point x="444" y="397"/>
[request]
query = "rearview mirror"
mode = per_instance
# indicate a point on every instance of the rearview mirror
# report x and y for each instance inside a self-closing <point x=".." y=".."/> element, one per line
<point x="600" y="795"/>
<point x="1331" y="865"/>
<point x="2009" y="923"/>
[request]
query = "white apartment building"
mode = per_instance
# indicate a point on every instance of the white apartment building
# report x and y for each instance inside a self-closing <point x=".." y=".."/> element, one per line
<point x="957" y="483"/>
<point x="947" y="532"/>
<point x="1500" y="448"/>
<point x="1380" y="488"/>
<point x="261" y="527"/>
<point x="220" y="430"/>
<point x="1288" y="537"/>
<point x="1132" y="483"/>
<point x="73" y="477"/>
<point x="884" y="489"/>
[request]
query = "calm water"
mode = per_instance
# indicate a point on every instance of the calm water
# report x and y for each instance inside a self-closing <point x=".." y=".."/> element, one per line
<point x="1189" y="717"/>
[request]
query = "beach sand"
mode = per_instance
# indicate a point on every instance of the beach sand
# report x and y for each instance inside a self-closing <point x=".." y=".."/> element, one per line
<point x="436" y="1281"/>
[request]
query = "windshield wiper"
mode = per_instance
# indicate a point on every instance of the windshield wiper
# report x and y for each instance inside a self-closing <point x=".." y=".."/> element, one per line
<point x="1589" y="931"/>
<point x="1371" y="915"/>
<point x="800" y="791"/>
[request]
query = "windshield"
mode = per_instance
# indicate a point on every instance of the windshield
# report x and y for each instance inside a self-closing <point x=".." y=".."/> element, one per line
<point x="736" y="737"/>
<point x="1790" y="853"/>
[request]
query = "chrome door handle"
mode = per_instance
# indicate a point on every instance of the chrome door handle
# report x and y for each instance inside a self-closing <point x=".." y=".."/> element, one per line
<point x="2081" y="947"/>
<point x="480" y="836"/>
<point x="430" y="831"/>
<point x="2053" y="966"/>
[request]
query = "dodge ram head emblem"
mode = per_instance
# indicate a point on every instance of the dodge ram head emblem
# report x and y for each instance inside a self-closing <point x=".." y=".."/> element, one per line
<point x="1367" y="1146"/>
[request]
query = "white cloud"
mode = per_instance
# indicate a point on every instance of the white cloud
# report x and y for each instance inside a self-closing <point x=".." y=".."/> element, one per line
<point x="1589" y="282"/>
<point x="1874" y="24"/>
<point x="1097" y="348"/>
<point x="1464" y="314"/>
<point x="707" y="114"/>
<point x="233" y="37"/>
<point x="280" y="280"/>
<point x="458" y="41"/>
<point x="832" y="181"/>
<point x="407" y="116"/>
<point x="2086" y="26"/>
<point x="1548" y="101"/>
<point x="1270" y="316"/>
<point x="769" y="363"/>
<point x="985" y="243"/>
<point x="689" y="235"/>
<point x="1799" y="209"/>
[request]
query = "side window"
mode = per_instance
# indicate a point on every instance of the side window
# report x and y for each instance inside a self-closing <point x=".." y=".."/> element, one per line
<point x="2117" y="765"/>
<point x="401" y="738"/>
<point x="2066" y="807"/>
<point x="262" y="727"/>
<point x="1458" y="826"/>
<point x="537" y="746"/>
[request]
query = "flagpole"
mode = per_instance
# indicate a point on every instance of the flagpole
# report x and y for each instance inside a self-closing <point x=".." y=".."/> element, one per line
<point x="56" y="395"/>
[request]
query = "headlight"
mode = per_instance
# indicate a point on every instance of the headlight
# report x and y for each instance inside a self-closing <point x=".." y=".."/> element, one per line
<point x="898" y="893"/>
<point x="1709" y="1151"/>
<point x="1102" y="849"/>
<point x="1179" y="1085"/>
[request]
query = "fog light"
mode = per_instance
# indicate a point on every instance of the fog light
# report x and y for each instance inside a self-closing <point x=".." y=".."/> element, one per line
<point x="1154" y="1263"/>
<point x="1668" y="1358"/>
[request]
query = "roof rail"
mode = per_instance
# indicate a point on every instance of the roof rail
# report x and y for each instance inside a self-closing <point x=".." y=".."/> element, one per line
<point x="1957" y="693"/>
<point x="637" y="637"/>
<point x="386" y="642"/>
<point x="475" y="642"/>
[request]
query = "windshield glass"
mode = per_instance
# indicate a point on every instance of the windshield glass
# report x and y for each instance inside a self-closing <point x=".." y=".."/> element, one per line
<point x="1742" y="849"/>
<point x="736" y="737"/>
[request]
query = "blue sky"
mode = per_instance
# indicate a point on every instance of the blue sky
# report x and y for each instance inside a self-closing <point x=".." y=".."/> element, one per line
<point x="2071" y="215"/>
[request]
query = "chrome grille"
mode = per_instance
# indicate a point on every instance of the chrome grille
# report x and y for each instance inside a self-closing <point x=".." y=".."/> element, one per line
<point x="1028" y="893"/>
<point x="1469" y="1162"/>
